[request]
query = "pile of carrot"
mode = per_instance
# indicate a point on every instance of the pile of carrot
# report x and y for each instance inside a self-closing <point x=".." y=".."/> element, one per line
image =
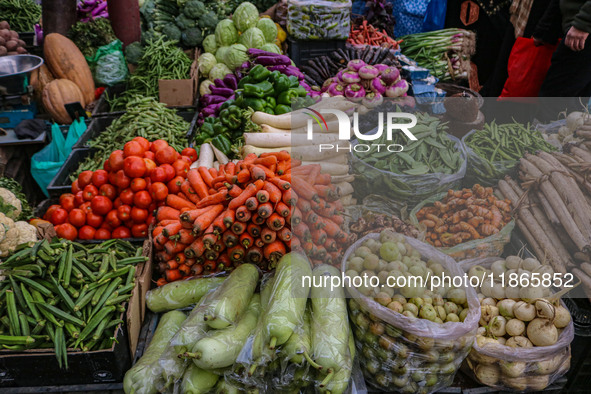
<point x="251" y="211"/>
<point x="366" y="34"/>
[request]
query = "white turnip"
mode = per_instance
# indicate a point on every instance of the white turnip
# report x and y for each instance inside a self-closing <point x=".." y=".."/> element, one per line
<point x="498" y="291"/>
<point x="506" y="307"/>
<point x="488" y="301"/>
<point x="562" y="317"/>
<point x="487" y="374"/>
<point x="498" y="268"/>
<point x="517" y="384"/>
<point x="497" y="326"/>
<point x="538" y="383"/>
<point x="519" y="342"/>
<point x="487" y="312"/>
<point x="542" y="332"/>
<point x="545" y="309"/>
<point x="529" y="264"/>
<point x="478" y="272"/>
<point x="512" y="262"/>
<point x="515" y="327"/>
<point x="513" y="369"/>
<point x="524" y="311"/>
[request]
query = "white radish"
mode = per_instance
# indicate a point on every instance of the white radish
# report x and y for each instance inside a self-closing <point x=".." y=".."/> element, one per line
<point x="219" y="155"/>
<point x="331" y="168"/>
<point x="541" y="332"/>
<point x="276" y="140"/>
<point x="206" y="157"/>
<point x="342" y="178"/>
<point x="348" y="200"/>
<point x="344" y="188"/>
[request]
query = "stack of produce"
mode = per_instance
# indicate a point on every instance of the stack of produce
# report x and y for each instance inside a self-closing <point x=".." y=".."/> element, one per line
<point x="66" y="296"/>
<point x="118" y="201"/>
<point x="367" y="34"/>
<point x="13" y="232"/>
<point x="373" y="222"/>
<point x="22" y="15"/>
<point x="523" y="341"/>
<point x="92" y="10"/>
<point x="92" y="34"/>
<point x="495" y="150"/>
<point x="13" y="203"/>
<point x="10" y="44"/>
<point x="446" y="53"/>
<point x="319" y="20"/>
<point x="144" y="117"/>
<point x="409" y="338"/>
<point x="568" y="133"/>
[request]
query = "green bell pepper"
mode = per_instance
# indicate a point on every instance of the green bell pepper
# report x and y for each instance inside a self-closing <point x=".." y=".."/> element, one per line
<point x="222" y="143"/>
<point x="269" y="110"/>
<point x="220" y="129"/>
<point x="259" y="73"/>
<point x="231" y="117"/>
<point x="282" y="109"/>
<point x="294" y="82"/>
<point x="245" y="80"/>
<point x="227" y="104"/>
<point x="257" y="104"/>
<point x="271" y="102"/>
<point x="287" y="96"/>
<point x="281" y="84"/>
<point x="302" y="92"/>
<point x="207" y="129"/>
<point x="258" y="90"/>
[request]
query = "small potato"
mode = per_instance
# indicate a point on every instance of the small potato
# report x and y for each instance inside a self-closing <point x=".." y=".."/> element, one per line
<point x="21" y="50"/>
<point x="11" y="45"/>
<point x="3" y="51"/>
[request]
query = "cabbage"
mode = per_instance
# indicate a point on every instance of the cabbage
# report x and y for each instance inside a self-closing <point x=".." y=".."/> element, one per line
<point x="245" y="16"/>
<point x="268" y="28"/>
<point x="219" y="71"/>
<point x="271" y="48"/>
<point x="226" y="33"/>
<point x="204" y="87"/>
<point x="206" y="63"/>
<point x="220" y="54"/>
<point x="209" y="44"/>
<point x="235" y="56"/>
<point x="252" y="38"/>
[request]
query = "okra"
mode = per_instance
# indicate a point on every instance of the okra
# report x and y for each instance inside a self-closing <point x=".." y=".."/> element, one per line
<point x="38" y="298"/>
<point x="12" y="313"/>
<point x="29" y="301"/>
<point x="62" y="315"/>
<point x="84" y="269"/>
<point x="118" y="300"/>
<point x="17" y="292"/>
<point x="98" y="294"/>
<point x="83" y="301"/>
<point x="38" y="328"/>
<point x="68" y="268"/>
<point x="61" y="352"/>
<point x="24" y="324"/>
<point x="132" y="260"/>
<point x="17" y="340"/>
<point x="63" y="294"/>
<point x="99" y="330"/>
<point x="112" y="286"/>
<point x="115" y="274"/>
<point x="94" y="322"/>
<point x="76" y="272"/>
<point x="72" y="330"/>
<point x="130" y="276"/>
<point x="35" y="285"/>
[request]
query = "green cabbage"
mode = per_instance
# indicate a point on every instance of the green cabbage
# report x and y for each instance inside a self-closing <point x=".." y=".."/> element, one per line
<point x="271" y="48"/>
<point x="219" y="71"/>
<point x="209" y="44"/>
<point x="226" y="33"/>
<point x="268" y="28"/>
<point x="252" y="38"/>
<point x="204" y="87"/>
<point x="220" y="54"/>
<point x="245" y="16"/>
<point x="236" y="56"/>
<point x="206" y="63"/>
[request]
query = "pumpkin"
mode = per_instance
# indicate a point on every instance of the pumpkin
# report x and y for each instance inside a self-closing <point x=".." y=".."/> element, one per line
<point x="56" y="94"/>
<point x="65" y="60"/>
<point x="39" y="79"/>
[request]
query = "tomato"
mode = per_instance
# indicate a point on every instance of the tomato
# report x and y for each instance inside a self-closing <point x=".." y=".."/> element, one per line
<point x="113" y="178"/>
<point x="134" y="167"/>
<point x="145" y="144"/>
<point x="133" y="148"/>
<point x="151" y="220"/>
<point x="174" y="186"/>
<point x="108" y="191"/>
<point x="79" y="199"/>
<point x="67" y="201"/>
<point x="124" y="213"/>
<point x="86" y="207"/>
<point x="121" y="232"/>
<point x="89" y="192"/>
<point x="94" y="220"/>
<point x="126" y="196"/>
<point x="66" y="231"/>
<point x="138" y="184"/>
<point x="106" y="226"/>
<point x="77" y="217"/>
<point x="187" y="159"/>
<point x="166" y="155"/>
<point x="150" y="165"/>
<point x="139" y="215"/>
<point x="142" y="199"/>
<point x="84" y="179"/>
<point x="190" y="152"/>
<point x="157" y="145"/>
<point x="100" y="177"/>
<point x="50" y="211"/>
<point x="101" y="205"/>
<point x="58" y="216"/>
<point x="122" y="181"/>
<point x="139" y="230"/>
<point x="170" y="172"/>
<point x="107" y="166"/>
<point x="116" y="160"/>
<point x="86" y="232"/>
<point x="149" y="155"/>
<point x="112" y="219"/>
<point x="158" y="191"/>
<point x="181" y="167"/>
<point x="102" y="233"/>
<point x="158" y="174"/>
<point x="117" y="203"/>
<point x="75" y="187"/>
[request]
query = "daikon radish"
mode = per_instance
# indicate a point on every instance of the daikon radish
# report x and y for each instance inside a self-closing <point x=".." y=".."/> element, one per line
<point x="265" y="128"/>
<point x="342" y="178"/>
<point x="216" y="165"/>
<point x="276" y="140"/>
<point x="299" y="118"/>
<point x="348" y="200"/>
<point x="206" y="157"/>
<point x="331" y="168"/>
<point x="331" y="127"/>
<point x="219" y="155"/>
<point x="344" y="188"/>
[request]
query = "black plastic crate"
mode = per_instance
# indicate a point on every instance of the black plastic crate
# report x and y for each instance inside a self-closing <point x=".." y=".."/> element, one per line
<point x="302" y="51"/>
<point x="61" y="183"/>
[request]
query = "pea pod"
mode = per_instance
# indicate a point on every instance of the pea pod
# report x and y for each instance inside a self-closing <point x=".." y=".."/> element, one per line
<point x="180" y="294"/>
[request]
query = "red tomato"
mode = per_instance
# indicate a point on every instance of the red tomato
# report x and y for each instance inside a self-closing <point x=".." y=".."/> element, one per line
<point x="50" y="211"/>
<point x="139" y="230"/>
<point x="117" y="203"/>
<point x="107" y="166"/>
<point x="86" y="207"/>
<point x="138" y="184"/>
<point x="157" y="145"/>
<point x="158" y="174"/>
<point x="190" y="152"/>
<point x="158" y="191"/>
<point x="170" y="172"/>
<point x="145" y="144"/>
<point x="134" y="167"/>
<point x="66" y="231"/>
<point x="142" y="199"/>
<point x="149" y="155"/>
<point x="79" y="199"/>
<point x="139" y="215"/>
<point x="187" y="159"/>
<point x="181" y="167"/>
<point x="101" y="205"/>
<point x="151" y="220"/>
<point x="102" y="233"/>
<point x="152" y="207"/>
<point x="67" y="201"/>
<point x="113" y="178"/>
<point x="124" y="213"/>
<point x="166" y="155"/>
<point x="126" y="197"/>
<point x="86" y="232"/>
<point x="121" y="232"/>
<point x="106" y="226"/>
<point x="90" y="191"/>
<point x="116" y="160"/>
<point x="75" y="187"/>
<point x="94" y="220"/>
<point x="58" y="216"/>
<point x="108" y="191"/>
<point x="174" y="186"/>
<point x="122" y="181"/>
<point x="84" y="179"/>
<point x="112" y="219"/>
<point x="150" y="164"/>
<point x="77" y="217"/>
<point x="100" y="177"/>
<point x="133" y="148"/>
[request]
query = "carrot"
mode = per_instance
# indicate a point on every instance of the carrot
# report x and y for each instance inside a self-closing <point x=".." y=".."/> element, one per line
<point x="280" y="183"/>
<point x="189" y="217"/>
<point x="331" y="245"/>
<point x="184" y="269"/>
<point x="206" y="176"/>
<point x="282" y="167"/>
<point x="249" y="191"/>
<point x="265" y="210"/>
<point x="257" y="172"/>
<point x="219" y="246"/>
<point x="281" y="155"/>
<point x="209" y="238"/>
<point x="204" y="220"/>
<point x="314" y="172"/>
<point x="251" y="203"/>
<point x="172" y="248"/>
<point x="217" y="198"/>
<point x="229" y="216"/>
<point x="185" y="236"/>
<point x="176" y="202"/>
<point x="243" y="214"/>
<point x="172" y="275"/>
<point x="161" y="282"/>
<point x="256" y="219"/>
<point x="254" y="255"/>
<point x="289" y="197"/>
<point x="302" y="231"/>
<point x="305" y="190"/>
<point x="172" y="264"/>
<point x="267" y="161"/>
<point x="230" y="168"/>
<point x="162" y="256"/>
<point x="189" y="192"/>
<point x="223" y="262"/>
<point x="218" y="224"/>
<point x="246" y="240"/>
<point x="196" y="269"/>
<point x="219" y="185"/>
<point x="210" y="254"/>
<point x="312" y="218"/>
<point x="189" y="262"/>
<point x="274" y="192"/>
<point x="160" y="240"/>
<point x="211" y="191"/>
<point x="219" y="178"/>
<point x="197" y="183"/>
<point x="294" y="244"/>
<point x="242" y="177"/>
<point x="229" y="239"/>
<point x="167" y="213"/>
<point x="262" y="196"/>
<point x="319" y="236"/>
<point x="253" y="230"/>
<point x="213" y="172"/>
<point x="209" y="266"/>
<point x="238" y="228"/>
<point x="158" y="229"/>
<point x="259" y="243"/>
<point x="327" y="192"/>
<point x="322" y="179"/>
<point x="268" y="235"/>
<point x="284" y="234"/>
<point x="172" y="229"/>
<point x="234" y="190"/>
<point x="237" y="253"/>
<point x="331" y="228"/>
<point x="286" y="177"/>
<point x="338" y="219"/>
<point x="275" y="222"/>
<point x="282" y="209"/>
<point x="274" y="251"/>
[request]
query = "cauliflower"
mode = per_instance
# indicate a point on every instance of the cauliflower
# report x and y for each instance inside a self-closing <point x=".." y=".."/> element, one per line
<point x="10" y="241"/>
<point x="9" y="204"/>
<point x="26" y="232"/>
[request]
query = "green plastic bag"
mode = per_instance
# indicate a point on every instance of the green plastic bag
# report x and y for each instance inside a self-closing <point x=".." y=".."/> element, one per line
<point x="46" y="163"/>
<point x="108" y="64"/>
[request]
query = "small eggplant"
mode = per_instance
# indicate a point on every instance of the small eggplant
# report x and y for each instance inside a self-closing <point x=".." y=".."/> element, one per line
<point x="277" y="60"/>
<point x="398" y="89"/>
<point x="372" y="100"/>
<point x="226" y="92"/>
<point x="350" y="77"/>
<point x="209" y="99"/>
<point x="390" y="75"/>
<point x="355" y="65"/>
<point x="355" y="92"/>
<point x="377" y="85"/>
<point x="230" y="81"/>
<point x="368" y="72"/>
<point x="335" y="89"/>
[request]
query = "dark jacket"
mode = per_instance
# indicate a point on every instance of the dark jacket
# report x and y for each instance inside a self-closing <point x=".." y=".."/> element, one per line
<point x="561" y="15"/>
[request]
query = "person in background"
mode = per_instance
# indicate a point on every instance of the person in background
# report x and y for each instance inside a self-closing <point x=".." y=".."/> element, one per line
<point x="570" y="72"/>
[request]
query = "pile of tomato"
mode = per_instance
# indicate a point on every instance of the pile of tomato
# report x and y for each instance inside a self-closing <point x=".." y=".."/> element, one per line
<point x="119" y="200"/>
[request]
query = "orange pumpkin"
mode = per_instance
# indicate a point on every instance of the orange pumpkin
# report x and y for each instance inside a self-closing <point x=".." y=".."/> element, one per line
<point x="39" y="79"/>
<point x="56" y="94"/>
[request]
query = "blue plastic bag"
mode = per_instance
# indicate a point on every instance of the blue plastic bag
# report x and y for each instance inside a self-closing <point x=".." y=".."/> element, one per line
<point x="46" y="163"/>
<point x="409" y="16"/>
<point x="435" y="16"/>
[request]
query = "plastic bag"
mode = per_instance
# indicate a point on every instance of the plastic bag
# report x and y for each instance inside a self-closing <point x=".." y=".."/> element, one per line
<point x="409" y="189"/>
<point x="319" y="20"/>
<point x="411" y="355"/>
<point x="409" y="16"/>
<point x="479" y="248"/>
<point x="109" y="65"/>
<point x="435" y="16"/>
<point x="520" y="369"/>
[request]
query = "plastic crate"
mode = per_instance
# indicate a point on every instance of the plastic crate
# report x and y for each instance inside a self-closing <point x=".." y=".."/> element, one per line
<point x="302" y="51"/>
<point x="61" y="183"/>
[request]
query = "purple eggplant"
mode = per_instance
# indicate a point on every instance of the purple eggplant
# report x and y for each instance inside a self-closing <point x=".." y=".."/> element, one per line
<point x="355" y="65"/>
<point x="253" y="52"/>
<point x="336" y="89"/>
<point x="377" y="86"/>
<point x="368" y="72"/>
<point x="226" y="92"/>
<point x="350" y="77"/>
<point x="245" y="66"/>
<point x="390" y="75"/>
<point x="277" y="60"/>
<point x="219" y="83"/>
<point x="230" y="81"/>
<point x="355" y="92"/>
<point x="288" y="70"/>
<point x="372" y="100"/>
<point x="209" y="99"/>
<point x="100" y="8"/>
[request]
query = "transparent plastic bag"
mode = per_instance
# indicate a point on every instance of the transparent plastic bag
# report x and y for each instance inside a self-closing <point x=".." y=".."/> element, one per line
<point x="400" y="354"/>
<point x="180" y="294"/>
<point x="109" y="65"/>
<point x="319" y="20"/>
<point x="479" y="248"/>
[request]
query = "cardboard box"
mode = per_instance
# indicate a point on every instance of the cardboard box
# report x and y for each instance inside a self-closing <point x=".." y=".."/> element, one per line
<point x="181" y="92"/>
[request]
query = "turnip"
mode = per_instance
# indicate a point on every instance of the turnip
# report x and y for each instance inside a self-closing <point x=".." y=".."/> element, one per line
<point x="478" y="272"/>
<point x="544" y="269"/>
<point x="541" y="332"/>
<point x="538" y="383"/>
<point x="437" y="269"/>
<point x="546" y="367"/>
<point x="497" y="326"/>
<point x="517" y="384"/>
<point x="487" y="313"/>
<point x="512" y="293"/>
<point x="545" y="309"/>
<point x="515" y="327"/>
<point x="562" y="317"/>
<point x="531" y="294"/>
<point x="399" y="298"/>
<point x="464" y="314"/>
<point x="498" y="268"/>
<point x="487" y="374"/>
<point x="513" y="369"/>
<point x="498" y="291"/>
<point x="523" y="274"/>
<point x="512" y="262"/>
<point x="412" y="308"/>
<point x="481" y="331"/>
<point x="395" y="306"/>
<point x="457" y="296"/>
<point x="486" y="288"/>
<point x="488" y="301"/>
<point x="501" y="341"/>
<point x="519" y="341"/>
<point x="506" y="308"/>
<point x="452" y="317"/>
<point x="450" y="307"/>
<point x="530" y="264"/>
<point x="524" y="311"/>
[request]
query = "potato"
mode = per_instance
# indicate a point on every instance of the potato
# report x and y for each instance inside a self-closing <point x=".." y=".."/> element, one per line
<point x="5" y="33"/>
<point x="11" y="45"/>
<point x="3" y="51"/>
<point x="2" y="42"/>
<point x="4" y="25"/>
<point x="21" y="43"/>
<point x="12" y="53"/>
<point x="13" y="35"/>
<point x="21" y="50"/>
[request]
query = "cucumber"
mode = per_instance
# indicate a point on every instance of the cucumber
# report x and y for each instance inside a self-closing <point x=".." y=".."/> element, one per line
<point x="180" y="294"/>
<point x="197" y="380"/>
<point x="288" y="298"/>
<point x="140" y="378"/>
<point x="232" y="297"/>
<point x="297" y="347"/>
<point x="220" y="349"/>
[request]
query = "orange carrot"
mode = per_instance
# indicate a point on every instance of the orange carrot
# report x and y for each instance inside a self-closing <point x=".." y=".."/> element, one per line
<point x="274" y="192"/>
<point x="275" y="222"/>
<point x="192" y="215"/>
<point x="243" y="214"/>
<point x="322" y="179"/>
<point x="242" y="177"/>
<point x="213" y="172"/>
<point x="259" y="243"/>
<point x="238" y="228"/>
<point x="209" y="238"/>
<point x="249" y="191"/>
<point x="296" y="216"/>
<point x="280" y="183"/>
<point x="213" y="199"/>
<point x="161" y="282"/>
<point x="284" y="234"/>
<point x="302" y="231"/>
<point x="184" y="269"/>
<point x="197" y="183"/>
<point x="234" y="190"/>
<point x="205" y="219"/>
<point x="331" y="228"/>
<point x="180" y="258"/>
<point x="237" y="253"/>
<point x="196" y="269"/>
<point x="266" y="161"/>
<point x="218" y="224"/>
<point x="282" y="209"/>
<point x="256" y="219"/>
<point x="254" y="255"/>
<point x="229" y="216"/>
<point x="206" y="176"/>
<point x="246" y="240"/>
<point x="251" y="203"/>
<point x="273" y="252"/>
<point x="262" y="196"/>
<point x="282" y="155"/>
<point x="172" y="229"/>
<point x="289" y="197"/>
<point x="224" y="262"/>
<point x="230" y="168"/>
<point x="173" y="275"/>
<point x="209" y="266"/>
<point x="253" y="230"/>
<point x="268" y="235"/>
<point x="305" y="190"/>
<point x="167" y="213"/>
<point x="176" y="202"/>
<point x="265" y="210"/>
<point x="257" y="172"/>
<point x="229" y="239"/>
<point x="189" y="192"/>
<point x="282" y="167"/>
<point x="172" y="248"/>
<point x="319" y="236"/>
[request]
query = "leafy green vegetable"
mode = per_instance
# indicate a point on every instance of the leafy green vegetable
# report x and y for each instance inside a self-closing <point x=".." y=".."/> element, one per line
<point x="269" y="29"/>
<point x="206" y="63"/>
<point x="252" y="38"/>
<point x="245" y="16"/>
<point x="271" y="48"/>
<point x="219" y="71"/>
<point x="20" y="14"/>
<point x="184" y="23"/>
<point x="226" y="33"/>
<point x="192" y="37"/>
<point x="172" y="32"/>
<point x="208" y="20"/>
<point x="134" y="52"/>
<point x="17" y="190"/>
<point x="209" y="44"/>
<point x="89" y="36"/>
<point x="194" y="9"/>
<point x="235" y="56"/>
